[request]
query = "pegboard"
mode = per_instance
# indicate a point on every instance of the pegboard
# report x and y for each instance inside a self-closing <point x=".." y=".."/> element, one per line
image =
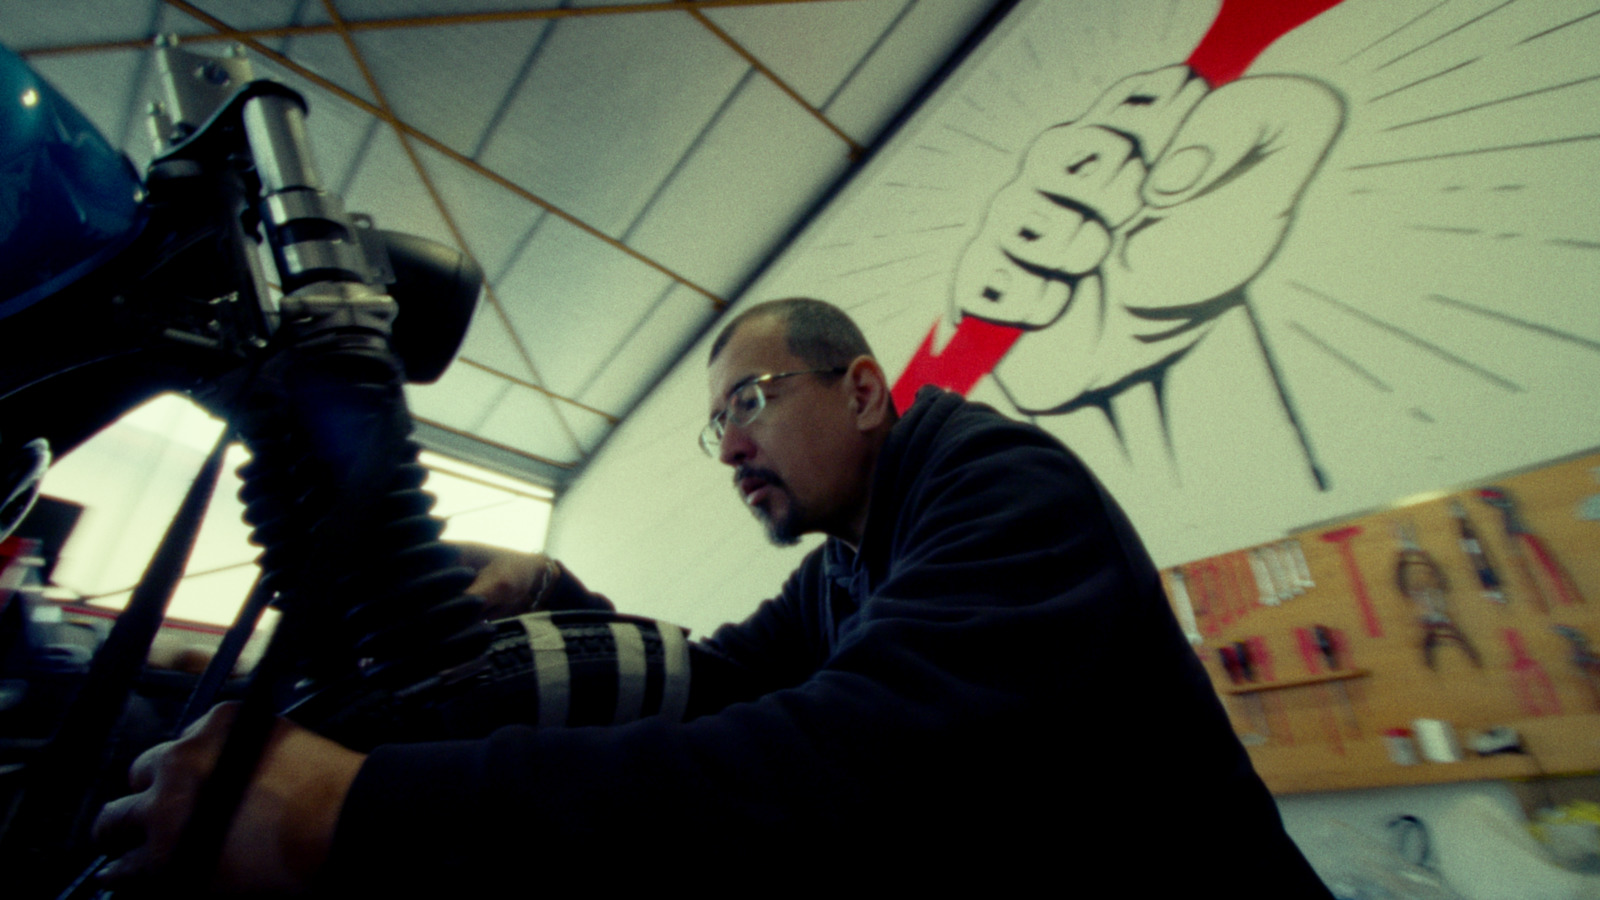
<point x="1309" y="728"/>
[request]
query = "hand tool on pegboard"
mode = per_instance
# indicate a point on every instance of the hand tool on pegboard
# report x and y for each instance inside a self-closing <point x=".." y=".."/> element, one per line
<point x="1238" y="584"/>
<point x="1330" y="644"/>
<point x="1205" y="581"/>
<point x="1342" y="537"/>
<point x="1298" y="565"/>
<point x="1589" y="509"/>
<point x="1204" y="615"/>
<point x="1584" y="658"/>
<point x="1267" y="591"/>
<point x="1276" y="592"/>
<point x="1236" y="567"/>
<point x="1422" y="581"/>
<point x="1524" y="542"/>
<point x="1534" y="691"/>
<point x="1218" y="571"/>
<point x="1235" y="661"/>
<point x="1282" y="572"/>
<point x="1311" y="655"/>
<point x="1488" y="579"/>
<point x="1260" y="659"/>
<point x="1182" y="607"/>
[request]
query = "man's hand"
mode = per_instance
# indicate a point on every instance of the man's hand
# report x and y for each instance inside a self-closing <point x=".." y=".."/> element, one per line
<point x="281" y="834"/>
<point x="512" y="583"/>
<point x="1127" y="230"/>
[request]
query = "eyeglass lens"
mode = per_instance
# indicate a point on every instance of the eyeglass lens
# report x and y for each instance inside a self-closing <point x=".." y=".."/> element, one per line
<point x="746" y="403"/>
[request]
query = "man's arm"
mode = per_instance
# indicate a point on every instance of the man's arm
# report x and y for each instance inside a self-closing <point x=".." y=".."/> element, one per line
<point x="285" y="824"/>
<point x="942" y="704"/>
<point x="940" y="707"/>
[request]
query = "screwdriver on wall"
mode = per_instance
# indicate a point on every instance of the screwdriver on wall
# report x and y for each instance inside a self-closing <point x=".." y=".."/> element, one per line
<point x="1234" y="659"/>
<point x="1309" y="653"/>
<point x="1488" y="579"/>
<point x="1328" y="644"/>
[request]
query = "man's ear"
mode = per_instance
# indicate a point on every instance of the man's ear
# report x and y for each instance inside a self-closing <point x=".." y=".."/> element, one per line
<point x="869" y="393"/>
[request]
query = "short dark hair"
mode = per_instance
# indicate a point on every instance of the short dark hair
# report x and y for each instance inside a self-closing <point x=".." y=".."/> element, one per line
<point x="817" y="332"/>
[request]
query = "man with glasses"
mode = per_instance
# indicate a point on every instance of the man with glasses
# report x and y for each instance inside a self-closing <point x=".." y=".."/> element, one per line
<point x="976" y="675"/>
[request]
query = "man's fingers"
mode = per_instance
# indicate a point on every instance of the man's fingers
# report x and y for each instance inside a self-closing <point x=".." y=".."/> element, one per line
<point x="142" y="774"/>
<point x="118" y="828"/>
<point x="1179" y="172"/>
<point x="1148" y="107"/>
<point x="1263" y="135"/>
<point x="1223" y="196"/>
<point x="280" y="834"/>
<point x="990" y="286"/>
<point x="142" y="826"/>
<point x="200" y="745"/>
<point x="1049" y="226"/>
<point x="124" y="868"/>
<point x="1081" y="166"/>
<point x="1051" y="235"/>
<point x="510" y="582"/>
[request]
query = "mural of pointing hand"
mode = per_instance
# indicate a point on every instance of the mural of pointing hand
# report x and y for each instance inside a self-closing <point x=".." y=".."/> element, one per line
<point x="1128" y="231"/>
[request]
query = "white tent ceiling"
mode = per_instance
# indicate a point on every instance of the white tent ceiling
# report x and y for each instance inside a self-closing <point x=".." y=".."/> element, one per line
<point x="619" y="171"/>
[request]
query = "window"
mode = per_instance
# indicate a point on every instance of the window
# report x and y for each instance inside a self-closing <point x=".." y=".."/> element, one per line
<point x="131" y="478"/>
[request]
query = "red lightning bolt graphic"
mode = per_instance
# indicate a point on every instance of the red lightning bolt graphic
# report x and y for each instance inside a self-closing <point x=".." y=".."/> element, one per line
<point x="1240" y="32"/>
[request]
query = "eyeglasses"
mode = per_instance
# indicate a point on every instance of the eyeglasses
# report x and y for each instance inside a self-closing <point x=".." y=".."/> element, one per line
<point x="746" y="400"/>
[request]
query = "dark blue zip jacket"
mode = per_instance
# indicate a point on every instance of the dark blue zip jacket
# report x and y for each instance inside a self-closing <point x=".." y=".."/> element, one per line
<point x="992" y="691"/>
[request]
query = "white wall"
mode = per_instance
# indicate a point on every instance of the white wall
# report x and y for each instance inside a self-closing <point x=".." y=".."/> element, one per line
<point x="1428" y="303"/>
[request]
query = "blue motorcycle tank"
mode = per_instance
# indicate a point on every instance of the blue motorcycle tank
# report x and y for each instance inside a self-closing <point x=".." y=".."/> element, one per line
<point x="68" y="200"/>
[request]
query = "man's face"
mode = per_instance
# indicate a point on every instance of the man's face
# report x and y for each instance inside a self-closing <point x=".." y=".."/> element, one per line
<point x="801" y="465"/>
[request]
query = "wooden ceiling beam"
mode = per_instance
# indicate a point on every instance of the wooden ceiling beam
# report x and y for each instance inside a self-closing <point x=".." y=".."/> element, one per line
<point x="225" y="33"/>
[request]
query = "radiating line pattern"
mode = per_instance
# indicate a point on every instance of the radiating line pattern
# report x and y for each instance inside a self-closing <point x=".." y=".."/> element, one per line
<point x="1448" y="238"/>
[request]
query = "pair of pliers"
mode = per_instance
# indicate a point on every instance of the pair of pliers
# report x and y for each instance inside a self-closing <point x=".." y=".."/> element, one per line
<point x="1238" y="660"/>
<point x="1523" y="539"/>
<point x="1419" y="578"/>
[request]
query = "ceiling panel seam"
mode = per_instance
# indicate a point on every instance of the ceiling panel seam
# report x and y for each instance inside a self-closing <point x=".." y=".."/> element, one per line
<point x="387" y="114"/>
<point x="718" y="303"/>
<point x="543" y="390"/>
<point x="855" y="150"/>
<point x="474" y="510"/>
<point x="250" y="35"/>
<point x="867" y="56"/>
<point x="511" y="94"/>
<point x="300" y="11"/>
<point x="140" y="71"/>
<point x="558" y="13"/>
<point x="347" y="179"/>
<point x="683" y="159"/>
<point x="521" y="247"/>
<point x="527" y="359"/>
<point x="488" y="408"/>
<point x="497" y="445"/>
<point x="622" y="344"/>
<point x="404" y="129"/>
<point x="523" y="489"/>
<point x="369" y="154"/>
<point x="513" y="380"/>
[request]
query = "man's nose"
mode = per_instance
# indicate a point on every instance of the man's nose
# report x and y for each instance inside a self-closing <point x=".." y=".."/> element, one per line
<point x="736" y="446"/>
